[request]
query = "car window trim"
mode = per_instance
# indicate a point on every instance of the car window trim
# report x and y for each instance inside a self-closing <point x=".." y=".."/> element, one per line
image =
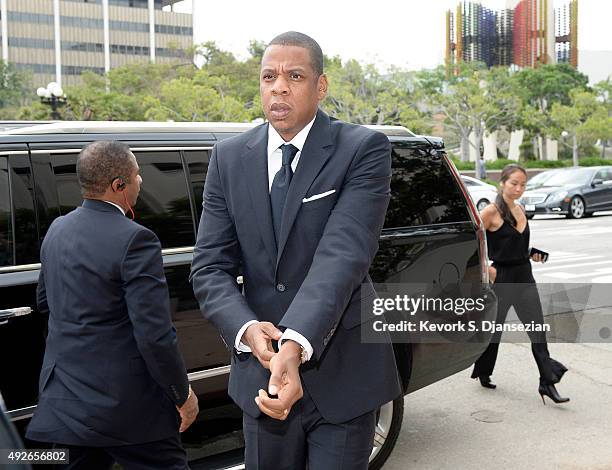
<point x="36" y="266"/>
<point x="190" y="193"/>
<point x="12" y="209"/>
<point x="28" y="411"/>
<point x="139" y="149"/>
<point x="594" y="177"/>
<point x="178" y="149"/>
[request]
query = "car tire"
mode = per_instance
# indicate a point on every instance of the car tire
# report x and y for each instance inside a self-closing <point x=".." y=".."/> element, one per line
<point x="482" y="204"/>
<point x="530" y="216"/>
<point x="388" y="425"/>
<point x="576" y="209"/>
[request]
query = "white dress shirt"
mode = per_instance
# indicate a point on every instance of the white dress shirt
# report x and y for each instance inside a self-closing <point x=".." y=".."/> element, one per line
<point x="275" y="161"/>
<point x="117" y="206"/>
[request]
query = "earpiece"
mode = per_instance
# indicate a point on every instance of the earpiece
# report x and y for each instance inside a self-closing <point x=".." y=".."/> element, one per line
<point x="121" y="185"/>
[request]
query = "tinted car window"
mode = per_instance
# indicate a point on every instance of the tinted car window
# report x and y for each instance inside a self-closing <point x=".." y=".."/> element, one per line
<point x="6" y="232"/>
<point x="540" y="178"/>
<point x="423" y="191"/>
<point x="24" y="215"/>
<point x="197" y="166"/>
<point x="66" y="181"/>
<point x="47" y="204"/>
<point x="604" y="175"/>
<point x="579" y="176"/>
<point x="163" y="204"/>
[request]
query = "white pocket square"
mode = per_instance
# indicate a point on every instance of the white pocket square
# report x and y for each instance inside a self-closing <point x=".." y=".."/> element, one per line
<point x="318" y="196"/>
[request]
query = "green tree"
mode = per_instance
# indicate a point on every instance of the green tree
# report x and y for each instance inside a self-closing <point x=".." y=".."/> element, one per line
<point x="604" y="94"/>
<point x="239" y="79"/>
<point x="118" y="98"/>
<point x="362" y="95"/>
<point x="585" y="119"/>
<point x="122" y="93"/>
<point x="476" y="100"/>
<point x="15" y="86"/>
<point x="539" y="89"/>
<point x="187" y="100"/>
<point x="257" y="49"/>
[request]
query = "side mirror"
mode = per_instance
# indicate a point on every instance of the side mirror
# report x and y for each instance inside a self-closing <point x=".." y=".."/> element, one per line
<point x="596" y="182"/>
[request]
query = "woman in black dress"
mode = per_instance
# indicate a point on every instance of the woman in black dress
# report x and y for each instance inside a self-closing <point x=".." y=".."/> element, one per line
<point x="508" y="247"/>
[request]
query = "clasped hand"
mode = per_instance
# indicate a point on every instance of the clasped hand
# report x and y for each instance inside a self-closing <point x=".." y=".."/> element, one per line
<point x="285" y="382"/>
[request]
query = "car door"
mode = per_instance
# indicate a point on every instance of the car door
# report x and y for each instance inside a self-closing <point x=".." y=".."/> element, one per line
<point x="169" y="204"/>
<point x="428" y="238"/>
<point x="21" y="325"/>
<point x="607" y="184"/>
<point x="166" y="206"/>
<point x="600" y="194"/>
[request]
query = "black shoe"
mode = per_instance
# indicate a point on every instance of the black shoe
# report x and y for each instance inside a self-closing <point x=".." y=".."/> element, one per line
<point x="485" y="381"/>
<point x="551" y="392"/>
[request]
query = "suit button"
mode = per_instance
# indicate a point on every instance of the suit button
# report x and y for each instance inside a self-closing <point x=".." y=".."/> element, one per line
<point x="280" y="287"/>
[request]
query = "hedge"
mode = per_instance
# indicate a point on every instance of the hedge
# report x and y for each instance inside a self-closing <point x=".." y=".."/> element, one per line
<point x="500" y="163"/>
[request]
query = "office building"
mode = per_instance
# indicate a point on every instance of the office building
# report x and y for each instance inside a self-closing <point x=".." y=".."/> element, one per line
<point x="56" y="40"/>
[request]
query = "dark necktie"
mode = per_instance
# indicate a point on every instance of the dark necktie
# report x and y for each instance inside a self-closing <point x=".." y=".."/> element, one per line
<point x="280" y="187"/>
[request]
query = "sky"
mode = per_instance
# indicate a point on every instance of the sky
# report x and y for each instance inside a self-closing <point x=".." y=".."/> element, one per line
<point x="409" y="33"/>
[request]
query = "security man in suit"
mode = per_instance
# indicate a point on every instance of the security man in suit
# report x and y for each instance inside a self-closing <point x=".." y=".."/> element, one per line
<point x="296" y="206"/>
<point x="113" y="386"/>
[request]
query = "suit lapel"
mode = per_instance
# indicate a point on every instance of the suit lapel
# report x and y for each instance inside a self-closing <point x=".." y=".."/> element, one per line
<point x="316" y="151"/>
<point x="255" y="165"/>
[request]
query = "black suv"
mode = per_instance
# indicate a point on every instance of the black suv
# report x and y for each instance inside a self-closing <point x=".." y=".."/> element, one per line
<point x="431" y="229"/>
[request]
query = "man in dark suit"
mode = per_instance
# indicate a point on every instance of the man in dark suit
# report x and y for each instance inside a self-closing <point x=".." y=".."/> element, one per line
<point x="113" y="386"/>
<point x="296" y="206"/>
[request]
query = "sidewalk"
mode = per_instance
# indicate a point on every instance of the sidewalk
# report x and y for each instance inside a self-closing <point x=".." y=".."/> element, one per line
<point x="457" y="424"/>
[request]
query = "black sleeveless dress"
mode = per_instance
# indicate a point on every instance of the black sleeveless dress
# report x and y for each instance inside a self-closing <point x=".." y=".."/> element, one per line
<point x="509" y="250"/>
<point x="515" y="286"/>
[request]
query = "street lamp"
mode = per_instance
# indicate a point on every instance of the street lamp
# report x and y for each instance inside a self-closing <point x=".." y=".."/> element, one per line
<point x="54" y="96"/>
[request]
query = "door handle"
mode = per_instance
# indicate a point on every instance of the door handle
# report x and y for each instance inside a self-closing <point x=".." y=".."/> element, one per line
<point x="6" y="315"/>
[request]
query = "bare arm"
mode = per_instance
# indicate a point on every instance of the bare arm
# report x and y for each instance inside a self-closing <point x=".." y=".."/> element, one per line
<point x="491" y="221"/>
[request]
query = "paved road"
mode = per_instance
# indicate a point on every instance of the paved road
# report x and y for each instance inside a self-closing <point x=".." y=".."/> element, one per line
<point x="456" y="424"/>
<point x="580" y="250"/>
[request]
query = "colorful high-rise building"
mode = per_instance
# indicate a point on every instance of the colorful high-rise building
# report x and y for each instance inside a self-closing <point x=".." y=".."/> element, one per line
<point x="526" y="33"/>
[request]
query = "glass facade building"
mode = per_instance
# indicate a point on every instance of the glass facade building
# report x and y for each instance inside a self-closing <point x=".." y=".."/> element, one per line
<point x="56" y="40"/>
<point x="526" y="33"/>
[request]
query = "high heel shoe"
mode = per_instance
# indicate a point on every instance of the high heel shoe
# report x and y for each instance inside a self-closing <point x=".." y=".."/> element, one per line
<point x="551" y="392"/>
<point x="485" y="381"/>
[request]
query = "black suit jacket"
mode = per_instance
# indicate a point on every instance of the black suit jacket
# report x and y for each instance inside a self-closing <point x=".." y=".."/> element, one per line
<point x="313" y="282"/>
<point x="112" y="372"/>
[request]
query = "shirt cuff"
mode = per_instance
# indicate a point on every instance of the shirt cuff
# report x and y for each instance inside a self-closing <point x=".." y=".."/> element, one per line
<point x="238" y="344"/>
<point x="299" y="339"/>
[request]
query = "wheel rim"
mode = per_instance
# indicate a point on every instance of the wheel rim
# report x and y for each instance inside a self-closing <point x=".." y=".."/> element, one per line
<point x="577" y="207"/>
<point x="383" y="425"/>
<point x="481" y="205"/>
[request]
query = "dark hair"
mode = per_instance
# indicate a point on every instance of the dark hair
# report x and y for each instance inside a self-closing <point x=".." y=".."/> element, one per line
<point x="293" y="38"/>
<point x="100" y="162"/>
<point x="500" y="202"/>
